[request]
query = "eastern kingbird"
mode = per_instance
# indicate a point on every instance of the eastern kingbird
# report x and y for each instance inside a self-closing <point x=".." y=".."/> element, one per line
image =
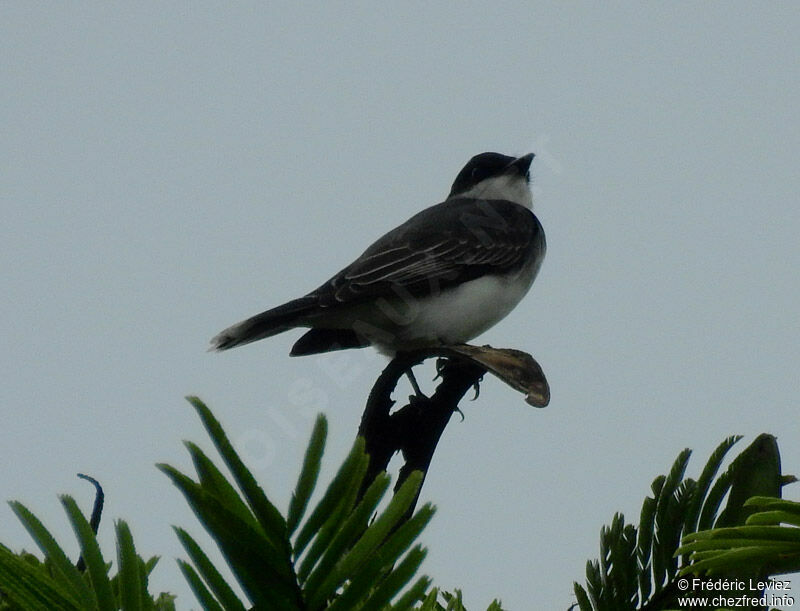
<point x="443" y="277"/>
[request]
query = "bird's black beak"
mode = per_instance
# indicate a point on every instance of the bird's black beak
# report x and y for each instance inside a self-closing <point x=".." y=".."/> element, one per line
<point x="521" y="165"/>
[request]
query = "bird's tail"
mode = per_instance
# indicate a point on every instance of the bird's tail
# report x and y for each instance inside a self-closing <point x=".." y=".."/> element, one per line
<point x="266" y="324"/>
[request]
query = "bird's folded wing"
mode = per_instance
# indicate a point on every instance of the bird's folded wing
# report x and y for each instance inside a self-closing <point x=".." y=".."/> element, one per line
<point x="445" y="245"/>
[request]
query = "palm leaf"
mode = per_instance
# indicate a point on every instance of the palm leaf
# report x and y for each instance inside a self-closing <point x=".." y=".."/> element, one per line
<point x="220" y="588"/>
<point x="28" y="587"/>
<point x="270" y="518"/>
<point x="682" y="505"/>
<point x="256" y="563"/>
<point x="353" y="469"/>
<point x="308" y="474"/>
<point x="342" y="558"/>
<point x="72" y="579"/>
<point x="346" y="532"/>
<point x="704" y="482"/>
<point x="199" y="588"/>
<point x="90" y="551"/>
<point x="132" y="581"/>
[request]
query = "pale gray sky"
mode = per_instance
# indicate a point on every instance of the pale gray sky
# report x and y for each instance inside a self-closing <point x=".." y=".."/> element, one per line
<point x="170" y="168"/>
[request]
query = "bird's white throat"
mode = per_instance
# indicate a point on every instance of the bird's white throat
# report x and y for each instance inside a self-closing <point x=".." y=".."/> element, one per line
<point x="510" y="187"/>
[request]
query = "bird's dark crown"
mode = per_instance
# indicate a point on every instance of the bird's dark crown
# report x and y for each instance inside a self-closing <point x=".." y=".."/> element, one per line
<point x="487" y="165"/>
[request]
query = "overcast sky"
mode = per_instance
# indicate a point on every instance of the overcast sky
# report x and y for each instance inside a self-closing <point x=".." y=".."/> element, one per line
<point x="167" y="169"/>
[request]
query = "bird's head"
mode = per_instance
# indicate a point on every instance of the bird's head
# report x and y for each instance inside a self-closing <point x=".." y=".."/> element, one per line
<point x="495" y="176"/>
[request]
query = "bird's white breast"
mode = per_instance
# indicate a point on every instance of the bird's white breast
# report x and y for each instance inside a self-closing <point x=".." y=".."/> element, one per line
<point x="461" y="313"/>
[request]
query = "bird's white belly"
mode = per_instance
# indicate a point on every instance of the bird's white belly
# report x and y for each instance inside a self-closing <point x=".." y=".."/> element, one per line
<point x="459" y="314"/>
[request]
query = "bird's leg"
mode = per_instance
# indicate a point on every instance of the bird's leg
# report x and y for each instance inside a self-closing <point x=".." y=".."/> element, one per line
<point x="413" y="380"/>
<point x="441" y="362"/>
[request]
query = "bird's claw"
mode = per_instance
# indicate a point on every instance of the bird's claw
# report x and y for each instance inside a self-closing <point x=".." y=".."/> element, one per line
<point x="441" y="362"/>
<point x="477" y="388"/>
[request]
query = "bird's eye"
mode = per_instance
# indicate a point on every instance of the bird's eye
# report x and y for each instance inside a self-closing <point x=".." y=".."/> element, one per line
<point x="478" y="174"/>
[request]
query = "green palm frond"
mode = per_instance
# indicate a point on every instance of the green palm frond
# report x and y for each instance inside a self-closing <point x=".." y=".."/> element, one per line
<point x="770" y="539"/>
<point x="26" y="583"/>
<point x="450" y="601"/>
<point x="343" y="553"/>
<point x="639" y="566"/>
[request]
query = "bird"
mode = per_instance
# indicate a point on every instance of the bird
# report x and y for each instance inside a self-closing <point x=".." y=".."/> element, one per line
<point x="443" y="277"/>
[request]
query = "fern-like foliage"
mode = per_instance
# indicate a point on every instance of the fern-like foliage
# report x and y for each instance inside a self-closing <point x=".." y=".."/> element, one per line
<point x="450" y="601"/>
<point x="770" y="539"/>
<point x="30" y="584"/>
<point x="639" y="566"/>
<point x="342" y="554"/>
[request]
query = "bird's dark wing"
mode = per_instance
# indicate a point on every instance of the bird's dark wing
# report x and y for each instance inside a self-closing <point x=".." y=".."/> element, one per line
<point x="447" y="244"/>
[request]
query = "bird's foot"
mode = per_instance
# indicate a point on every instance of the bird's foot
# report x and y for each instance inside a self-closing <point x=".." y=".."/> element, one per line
<point x="477" y="388"/>
<point x="441" y="363"/>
